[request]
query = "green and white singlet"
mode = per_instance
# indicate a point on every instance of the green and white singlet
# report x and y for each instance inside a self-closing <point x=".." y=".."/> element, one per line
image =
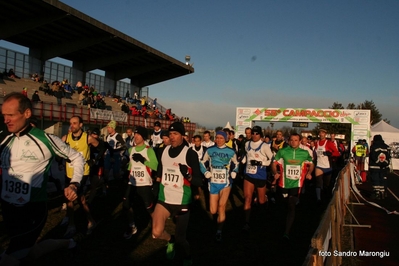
<point x="293" y="165"/>
<point x="174" y="188"/>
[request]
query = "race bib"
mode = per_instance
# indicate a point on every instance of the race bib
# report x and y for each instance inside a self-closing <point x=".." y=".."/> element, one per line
<point x="320" y="152"/>
<point x="172" y="177"/>
<point x="219" y="176"/>
<point x="251" y="169"/>
<point x="293" y="172"/>
<point x="138" y="175"/>
<point x="16" y="187"/>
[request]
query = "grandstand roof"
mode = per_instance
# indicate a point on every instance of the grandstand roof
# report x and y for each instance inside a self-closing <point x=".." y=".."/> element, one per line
<point x="54" y="29"/>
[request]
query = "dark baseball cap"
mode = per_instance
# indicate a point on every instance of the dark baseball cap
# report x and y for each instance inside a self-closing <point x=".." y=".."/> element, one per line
<point x="95" y="131"/>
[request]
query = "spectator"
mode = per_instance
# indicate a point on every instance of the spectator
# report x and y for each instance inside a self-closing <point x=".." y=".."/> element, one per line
<point x="168" y="115"/>
<point x="35" y="77"/>
<point x="125" y="108"/>
<point x="154" y="103"/>
<point x="11" y="74"/>
<point x="25" y="91"/>
<point x="90" y="100"/>
<point x="67" y="89"/>
<point x="55" y="87"/>
<point x="144" y="111"/>
<point x="134" y="111"/>
<point x="79" y="87"/>
<point x="59" y="95"/>
<point x="46" y="88"/>
<point x="81" y="98"/>
<point x="35" y="97"/>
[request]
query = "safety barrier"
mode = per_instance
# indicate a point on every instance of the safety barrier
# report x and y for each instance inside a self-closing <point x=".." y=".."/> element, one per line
<point x="327" y="240"/>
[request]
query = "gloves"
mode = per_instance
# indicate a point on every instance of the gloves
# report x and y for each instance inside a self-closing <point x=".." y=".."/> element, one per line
<point x="91" y="162"/>
<point x="184" y="170"/>
<point x="150" y="142"/>
<point x="233" y="175"/>
<point x="208" y="174"/>
<point x="137" y="157"/>
<point x="327" y="153"/>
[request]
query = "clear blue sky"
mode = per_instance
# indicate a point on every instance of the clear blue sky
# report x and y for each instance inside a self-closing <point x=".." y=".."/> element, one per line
<point x="266" y="53"/>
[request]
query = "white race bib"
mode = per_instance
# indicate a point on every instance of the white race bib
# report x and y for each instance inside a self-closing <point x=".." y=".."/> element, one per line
<point x="320" y="151"/>
<point x="138" y="175"/>
<point x="293" y="172"/>
<point x="172" y="177"/>
<point x="219" y="176"/>
<point x="251" y="169"/>
<point x="16" y="187"/>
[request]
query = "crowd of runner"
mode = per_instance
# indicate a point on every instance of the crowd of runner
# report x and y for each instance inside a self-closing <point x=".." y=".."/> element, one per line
<point x="165" y="170"/>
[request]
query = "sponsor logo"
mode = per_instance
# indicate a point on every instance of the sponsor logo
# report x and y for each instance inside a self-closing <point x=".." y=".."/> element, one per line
<point x="243" y="117"/>
<point x="360" y="113"/>
<point x="244" y="111"/>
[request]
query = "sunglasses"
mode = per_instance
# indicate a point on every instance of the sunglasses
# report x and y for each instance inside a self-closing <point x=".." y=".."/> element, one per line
<point x="255" y="133"/>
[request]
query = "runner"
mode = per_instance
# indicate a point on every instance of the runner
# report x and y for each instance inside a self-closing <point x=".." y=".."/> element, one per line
<point x="207" y="139"/>
<point x="325" y="150"/>
<point x="97" y="165"/>
<point x="26" y="157"/>
<point x="223" y="167"/>
<point x="177" y="170"/>
<point x="258" y="157"/>
<point x="142" y="162"/>
<point x="295" y="165"/>
<point x="200" y="150"/>
<point x="156" y="137"/>
<point x="279" y="142"/>
<point x="114" y="154"/>
<point x="80" y="141"/>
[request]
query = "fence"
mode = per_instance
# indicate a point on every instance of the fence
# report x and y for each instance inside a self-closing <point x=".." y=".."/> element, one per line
<point x="327" y="238"/>
<point x="52" y="112"/>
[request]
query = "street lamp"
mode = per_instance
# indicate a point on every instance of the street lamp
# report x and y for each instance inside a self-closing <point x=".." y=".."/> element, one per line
<point x="187" y="58"/>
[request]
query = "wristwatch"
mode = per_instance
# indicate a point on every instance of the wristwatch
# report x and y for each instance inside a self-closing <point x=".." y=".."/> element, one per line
<point x="76" y="184"/>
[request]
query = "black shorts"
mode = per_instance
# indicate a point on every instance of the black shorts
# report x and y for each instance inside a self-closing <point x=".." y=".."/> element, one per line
<point x="175" y="210"/>
<point x="24" y="225"/>
<point x="290" y="192"/>
<point x="144" y="192"/>
<point x="258" y="183"/>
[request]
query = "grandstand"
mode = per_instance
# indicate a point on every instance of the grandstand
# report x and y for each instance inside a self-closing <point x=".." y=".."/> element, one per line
<point x="50" y="114"/>
<point x="101" y="47"/>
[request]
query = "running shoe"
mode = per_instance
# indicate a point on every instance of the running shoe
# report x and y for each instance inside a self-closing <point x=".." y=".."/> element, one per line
<point x="131" y="230"/>
<point x="286" y="237"/>
<point x="170" y="251"/>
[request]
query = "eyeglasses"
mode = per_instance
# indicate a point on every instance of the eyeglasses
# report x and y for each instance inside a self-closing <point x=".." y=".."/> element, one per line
<point x="255" y="133"/>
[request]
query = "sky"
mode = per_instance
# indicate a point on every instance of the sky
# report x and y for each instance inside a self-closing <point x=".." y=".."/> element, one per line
<point x="294" y="54"/>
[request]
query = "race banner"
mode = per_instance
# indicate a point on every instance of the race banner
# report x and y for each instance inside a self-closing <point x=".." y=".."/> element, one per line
<point x="354" y="117"/>
<point x="100" y="114"/>
<point x="359" y="119"/>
